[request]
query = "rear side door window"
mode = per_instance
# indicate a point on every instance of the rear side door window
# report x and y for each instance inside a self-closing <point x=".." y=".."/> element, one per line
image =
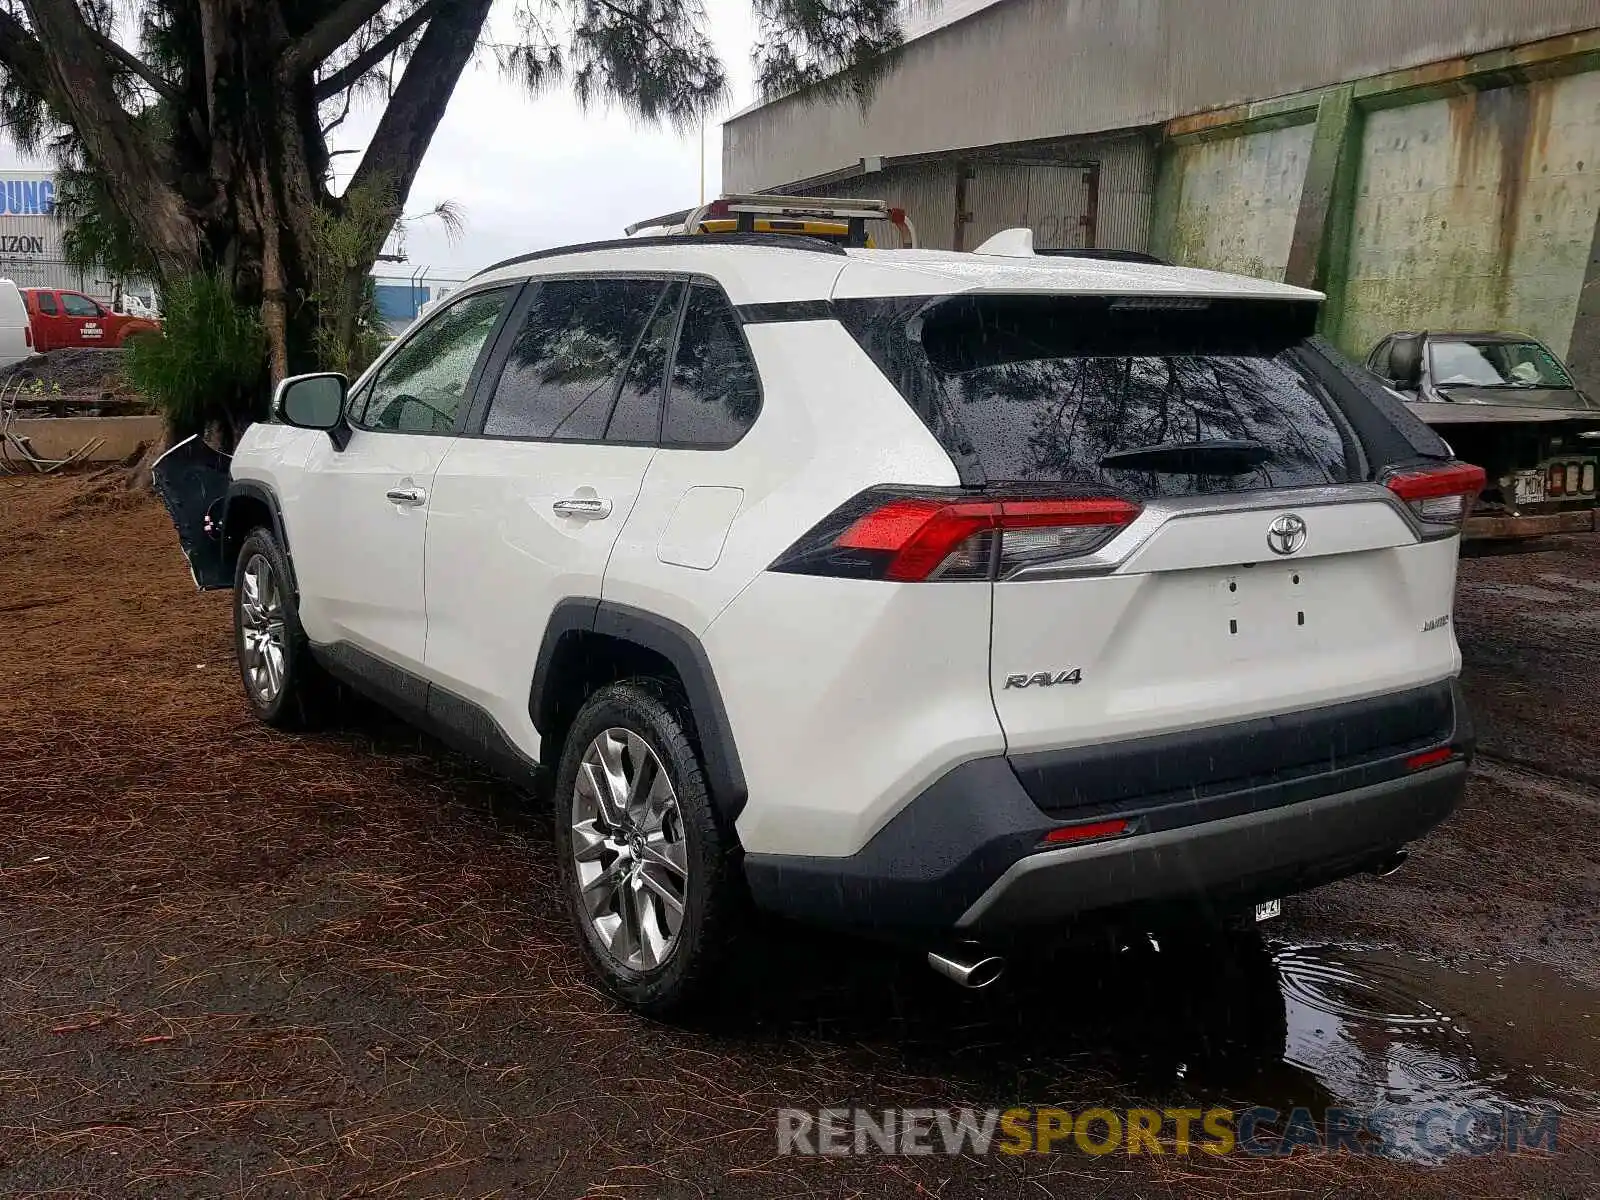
<point x="714" y="394"/>
<point x="46" y="302"/>
<point x="568" y="369"/>
<point x="421" y="387"/>
<point x="636" y="413"/>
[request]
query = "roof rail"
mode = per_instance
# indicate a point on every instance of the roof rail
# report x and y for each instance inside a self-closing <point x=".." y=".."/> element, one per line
<point x="770" y="241"/>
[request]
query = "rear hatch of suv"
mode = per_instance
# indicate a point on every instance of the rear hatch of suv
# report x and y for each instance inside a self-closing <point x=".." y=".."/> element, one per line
<point x="1213" y="551"/>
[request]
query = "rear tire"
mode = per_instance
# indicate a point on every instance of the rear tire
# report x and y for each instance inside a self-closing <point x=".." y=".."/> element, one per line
<point x="284" y="686"/>
<point x="648" y="869"/>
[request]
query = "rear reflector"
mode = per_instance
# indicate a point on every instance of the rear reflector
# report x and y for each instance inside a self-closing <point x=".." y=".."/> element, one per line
<point x="1443" y="496"/>
<point x="1556" y="484"/>
<point x="1588" y="478"/>
<point x="1431" y="758"/>
<point x="911" y="536"/>
<point x="1085" y="833"/>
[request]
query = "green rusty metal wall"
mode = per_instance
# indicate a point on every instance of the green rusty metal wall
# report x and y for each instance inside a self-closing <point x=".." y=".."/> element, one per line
<point x="1475" y="212"/>
<point x="1237" y="200"/>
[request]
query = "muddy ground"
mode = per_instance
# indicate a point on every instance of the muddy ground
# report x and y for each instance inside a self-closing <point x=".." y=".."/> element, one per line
<point x="237" y="963"/>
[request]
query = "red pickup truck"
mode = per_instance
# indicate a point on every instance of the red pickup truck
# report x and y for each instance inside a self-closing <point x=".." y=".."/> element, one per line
<point x="61" y="319"/>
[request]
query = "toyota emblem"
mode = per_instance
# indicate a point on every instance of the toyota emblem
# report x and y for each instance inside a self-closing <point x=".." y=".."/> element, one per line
<point x="1286" y="534"/>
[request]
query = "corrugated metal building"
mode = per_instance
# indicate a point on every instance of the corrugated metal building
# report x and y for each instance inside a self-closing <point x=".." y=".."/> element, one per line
<point x="30" y="232"/>
<point x="1425" y="162"/>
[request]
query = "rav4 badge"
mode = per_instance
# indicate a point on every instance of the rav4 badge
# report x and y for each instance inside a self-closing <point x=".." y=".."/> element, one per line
<point x="1045" y="678"/>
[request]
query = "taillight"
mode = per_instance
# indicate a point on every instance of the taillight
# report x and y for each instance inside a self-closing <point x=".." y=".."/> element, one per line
<point x="1556" y="482"/>
<point x="915" y="535"/>
<point x="1441" y="497"/>
<point x="1587" y="477"/>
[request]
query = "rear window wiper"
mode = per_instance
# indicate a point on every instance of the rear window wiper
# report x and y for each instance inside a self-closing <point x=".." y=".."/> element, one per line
<point x="1210" y="456"/>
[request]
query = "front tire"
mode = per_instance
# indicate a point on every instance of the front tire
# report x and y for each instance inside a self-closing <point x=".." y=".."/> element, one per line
<point x="648" y="869"/>
<point x="284" y="687"/>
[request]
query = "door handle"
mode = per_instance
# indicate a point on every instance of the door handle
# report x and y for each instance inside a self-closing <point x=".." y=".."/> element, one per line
<point x="592" y="507"/>
<point x="407" y="495"/>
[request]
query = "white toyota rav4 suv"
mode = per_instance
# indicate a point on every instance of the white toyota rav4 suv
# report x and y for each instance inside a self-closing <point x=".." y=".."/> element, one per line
<point x="947" y="597"/>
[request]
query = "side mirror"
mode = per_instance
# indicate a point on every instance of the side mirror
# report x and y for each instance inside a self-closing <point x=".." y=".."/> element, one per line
<point x="1405" y="363"/>
<point x="314" y="402"/>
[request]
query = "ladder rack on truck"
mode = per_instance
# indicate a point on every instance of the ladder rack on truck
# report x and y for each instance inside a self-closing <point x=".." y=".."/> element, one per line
<point x="831" y="218"/>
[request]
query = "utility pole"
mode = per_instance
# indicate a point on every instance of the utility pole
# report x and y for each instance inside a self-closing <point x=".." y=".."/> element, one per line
<point x="702" y="160"/>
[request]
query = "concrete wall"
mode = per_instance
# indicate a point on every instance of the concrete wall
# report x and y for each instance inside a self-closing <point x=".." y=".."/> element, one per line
<point x="1462" y="194"/>
<point x="1237" y="200"/>
<point x="1476" y="212"/>
<point x="57" y="437"/>
<point x="1026" y="70"/>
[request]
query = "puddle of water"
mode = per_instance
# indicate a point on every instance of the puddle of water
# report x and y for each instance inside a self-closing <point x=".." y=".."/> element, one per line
<point x="1374" y="1028"/>
<point x="1287" y="1026"/>
<point x="1194" y="1022"/>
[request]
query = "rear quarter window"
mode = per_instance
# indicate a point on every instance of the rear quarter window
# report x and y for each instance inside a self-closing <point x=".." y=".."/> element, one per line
<point x="714" y="389"/>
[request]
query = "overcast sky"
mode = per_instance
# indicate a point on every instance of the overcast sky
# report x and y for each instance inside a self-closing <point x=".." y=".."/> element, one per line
<point x="529" y="173"/>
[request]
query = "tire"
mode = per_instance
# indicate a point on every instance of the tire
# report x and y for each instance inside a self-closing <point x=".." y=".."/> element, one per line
<point x="627" y="875"/>
<point x="283" y="686"/>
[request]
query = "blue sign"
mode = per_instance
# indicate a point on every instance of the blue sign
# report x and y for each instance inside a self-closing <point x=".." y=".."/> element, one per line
<point x="400" y="301"/>
<point x="27" y="197"/>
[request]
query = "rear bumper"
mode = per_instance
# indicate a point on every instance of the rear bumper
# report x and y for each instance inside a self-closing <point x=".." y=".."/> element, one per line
<point x="1244" y="858"/>
<point x="1543" y="525"/>
<point x="968" y="854"/>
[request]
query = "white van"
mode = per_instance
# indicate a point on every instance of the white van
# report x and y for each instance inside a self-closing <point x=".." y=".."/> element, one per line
<point x="16" y="335"/>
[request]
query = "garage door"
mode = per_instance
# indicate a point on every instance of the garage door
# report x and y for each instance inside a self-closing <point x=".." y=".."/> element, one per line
<point x="1055" y="200"/>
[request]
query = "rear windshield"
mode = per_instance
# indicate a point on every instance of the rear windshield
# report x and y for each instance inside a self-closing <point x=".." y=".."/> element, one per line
<point x="1141" y="397"/>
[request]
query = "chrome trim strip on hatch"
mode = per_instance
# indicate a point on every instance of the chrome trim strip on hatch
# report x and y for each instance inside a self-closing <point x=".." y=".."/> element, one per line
<point x="1156" y="513"/>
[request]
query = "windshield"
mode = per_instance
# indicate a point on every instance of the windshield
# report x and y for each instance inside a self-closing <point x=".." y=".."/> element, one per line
<point x="1494" y="364"/>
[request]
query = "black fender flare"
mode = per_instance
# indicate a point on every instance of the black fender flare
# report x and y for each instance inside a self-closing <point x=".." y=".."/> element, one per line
<point x="254" y="490"/>
<point x="688" y="657"/>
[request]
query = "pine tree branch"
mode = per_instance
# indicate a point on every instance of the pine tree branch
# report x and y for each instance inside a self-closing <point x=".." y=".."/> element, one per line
<point x="81" y="89"/>
<point x="131" y="61"/>
<point x="348" y="75"/>
<point x="328" y="34"/>
<point x="23" y="57"/>
<point x="417" y="106"/>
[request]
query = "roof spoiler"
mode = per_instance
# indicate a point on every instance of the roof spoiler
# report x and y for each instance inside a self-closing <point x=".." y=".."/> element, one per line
<point x="854" y="214"/>
<point x="1018" y="243"/>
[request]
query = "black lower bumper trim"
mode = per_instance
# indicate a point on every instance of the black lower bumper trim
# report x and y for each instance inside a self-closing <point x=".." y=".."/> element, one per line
<point x="1265" y="757"/>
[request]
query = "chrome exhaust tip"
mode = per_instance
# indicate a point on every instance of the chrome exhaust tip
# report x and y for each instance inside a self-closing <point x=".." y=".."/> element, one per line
<point x="971" y="970"/>
<point x="1391" y="864"/>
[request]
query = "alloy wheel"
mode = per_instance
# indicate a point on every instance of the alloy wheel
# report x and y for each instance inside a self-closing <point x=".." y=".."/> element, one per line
<point x="628" y="848"/>
<point x="264" y="645"/>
